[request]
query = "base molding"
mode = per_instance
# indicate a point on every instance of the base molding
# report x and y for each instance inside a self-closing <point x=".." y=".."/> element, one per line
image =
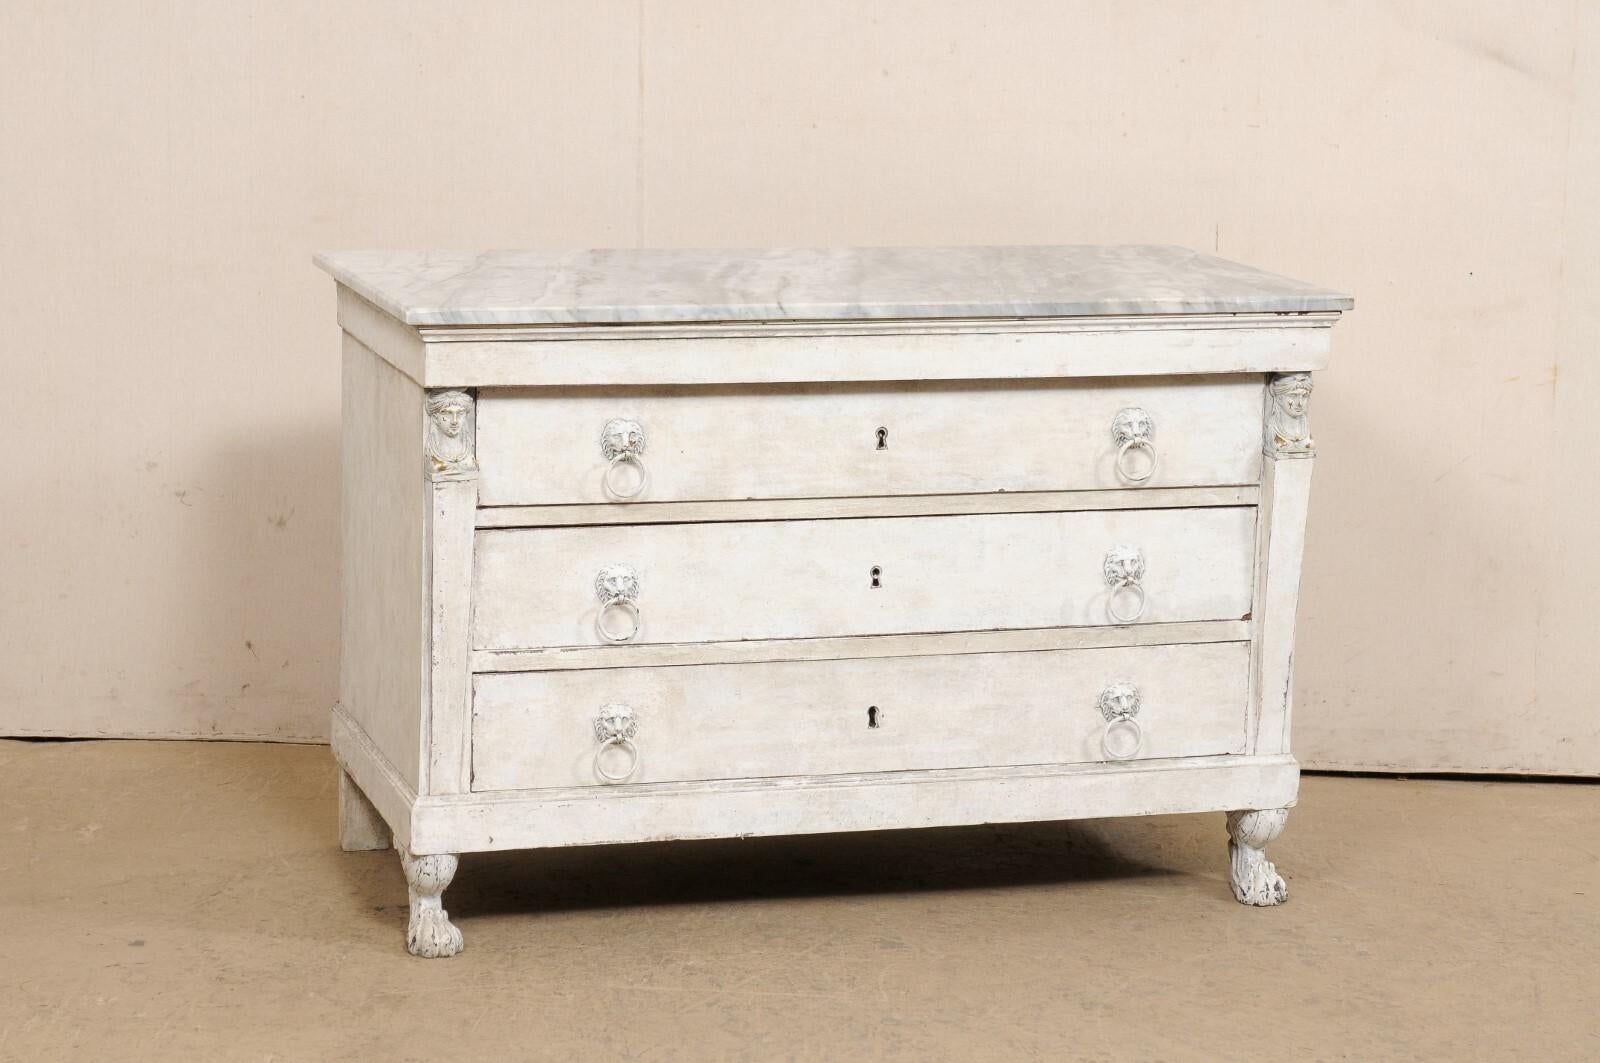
<point x="538" y="819"/>
<point x="594" y="815"/>
<point x="372" y="772"/>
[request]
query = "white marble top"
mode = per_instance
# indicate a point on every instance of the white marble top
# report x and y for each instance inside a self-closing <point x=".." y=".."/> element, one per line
<point x="639" y="286"/>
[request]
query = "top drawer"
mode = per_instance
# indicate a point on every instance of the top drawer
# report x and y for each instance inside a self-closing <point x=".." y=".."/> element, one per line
<point x="545" y="447"/>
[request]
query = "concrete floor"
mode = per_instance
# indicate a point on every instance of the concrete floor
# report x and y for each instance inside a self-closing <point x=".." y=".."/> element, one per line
<point x="187" y="901"/>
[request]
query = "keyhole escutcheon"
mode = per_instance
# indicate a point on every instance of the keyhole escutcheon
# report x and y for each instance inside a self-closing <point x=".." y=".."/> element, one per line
<point x="883" y="439"/>
<point x="877" y="577"/>
<point x="872" y="716"/>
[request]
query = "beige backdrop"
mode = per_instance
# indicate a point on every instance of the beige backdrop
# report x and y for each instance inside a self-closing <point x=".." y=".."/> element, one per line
<point x="168" y="550"/>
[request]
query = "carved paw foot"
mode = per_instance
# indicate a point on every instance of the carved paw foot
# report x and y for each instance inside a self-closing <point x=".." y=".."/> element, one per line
<point x="430" y="934"/>
<point x="1255" y="880"/>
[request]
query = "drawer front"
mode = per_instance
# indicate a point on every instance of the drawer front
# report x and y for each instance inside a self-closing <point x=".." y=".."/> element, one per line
<point x="545" y="447"/>
<point x="740" y="721"/>
<point x="536" y="587"/>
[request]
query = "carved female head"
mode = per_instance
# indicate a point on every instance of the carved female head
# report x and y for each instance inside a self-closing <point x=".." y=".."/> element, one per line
<point x="1293" y="392"/>
<point x="449" y="427"/>
<point x="449" y="412"/>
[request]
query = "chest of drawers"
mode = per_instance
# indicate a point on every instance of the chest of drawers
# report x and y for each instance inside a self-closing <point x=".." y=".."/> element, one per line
<point x="646" y="545"/>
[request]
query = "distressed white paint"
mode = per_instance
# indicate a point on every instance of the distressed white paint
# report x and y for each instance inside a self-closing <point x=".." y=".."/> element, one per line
<point x="882" y="506"/>
<point x="1255" y="881"/>
<point x="751" y="651"/>
<point x="361" y="826"/>
<point x="384" y="620"/>
<point x="1081" y="350"/>
<point x="1070" y="353"/>
<point x="453" y="500"/>
<point x="429" y="932"/>
<point x="589" y="356"/>
<point x="735" y="721"/>
<point x="374" y="774"/>
<point x="486" y="822"/>
<point x="923" y="328"/>
<point x="831" y="804"/>
<point x="834" y="634"/>
<point x="1286" y="492"/>
<point x="543" y="447"/>
<point x="806" y="579"/>
<point x="401" y="345"/>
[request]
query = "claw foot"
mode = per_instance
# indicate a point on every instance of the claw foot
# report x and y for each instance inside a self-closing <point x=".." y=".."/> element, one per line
<point x="430" y="933"/>
<point x="1255" y="880"/>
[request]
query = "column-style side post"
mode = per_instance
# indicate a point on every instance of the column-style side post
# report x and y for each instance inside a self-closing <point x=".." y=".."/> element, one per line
<point x="452" y="488"/>
<point x="1285" y="499"/>
<point x="1287" y="450"/>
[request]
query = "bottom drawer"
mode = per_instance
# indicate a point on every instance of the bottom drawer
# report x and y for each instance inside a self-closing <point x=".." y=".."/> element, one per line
<point x="741" y="721"/>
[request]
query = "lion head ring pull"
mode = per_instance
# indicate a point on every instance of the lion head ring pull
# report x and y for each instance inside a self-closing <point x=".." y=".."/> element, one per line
<point x="617" y="587"/>
<point x="1124" y="572"/>
<point x="1133" y="430"/>
<point x="1119" y="704"/>
<point x="622" y="444"/>
<point x="615" y="725"/>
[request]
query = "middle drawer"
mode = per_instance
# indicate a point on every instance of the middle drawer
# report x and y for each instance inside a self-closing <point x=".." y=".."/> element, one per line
<point x="714" y="582"/>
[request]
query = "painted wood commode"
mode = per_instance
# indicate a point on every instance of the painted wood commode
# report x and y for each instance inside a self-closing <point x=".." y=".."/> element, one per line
<point x="645" y="545"/>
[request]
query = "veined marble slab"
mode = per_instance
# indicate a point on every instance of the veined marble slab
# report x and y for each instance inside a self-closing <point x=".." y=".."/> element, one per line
<point x="645" y="286"/>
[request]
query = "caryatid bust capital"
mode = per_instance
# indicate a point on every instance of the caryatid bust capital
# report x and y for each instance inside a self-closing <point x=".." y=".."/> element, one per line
<point x="450" y="431"/>
<point x="1288" y="428"/>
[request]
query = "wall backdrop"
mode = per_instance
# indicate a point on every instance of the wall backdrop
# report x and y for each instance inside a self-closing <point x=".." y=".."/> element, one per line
<point x="169" y="541"/>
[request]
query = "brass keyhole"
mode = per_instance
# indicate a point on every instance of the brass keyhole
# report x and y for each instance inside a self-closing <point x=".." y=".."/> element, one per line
<point x="883" y="439"/>
<point x="877" y="577"/>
